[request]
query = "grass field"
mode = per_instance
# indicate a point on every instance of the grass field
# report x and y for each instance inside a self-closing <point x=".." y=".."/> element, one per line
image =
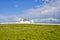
<point x="29" y="32"/>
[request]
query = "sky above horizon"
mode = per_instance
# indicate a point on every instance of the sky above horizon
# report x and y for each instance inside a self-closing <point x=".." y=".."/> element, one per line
<point x="41" y="11"/>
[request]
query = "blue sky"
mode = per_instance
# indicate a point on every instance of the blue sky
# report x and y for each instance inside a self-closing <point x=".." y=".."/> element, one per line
<point x="16" y="6"/>
<point x="41" y="11"/>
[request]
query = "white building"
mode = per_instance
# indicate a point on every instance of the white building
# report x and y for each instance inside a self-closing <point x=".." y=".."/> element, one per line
<point x="25" y="21"/>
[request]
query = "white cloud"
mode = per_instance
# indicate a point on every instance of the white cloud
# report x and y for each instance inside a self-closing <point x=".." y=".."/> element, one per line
<point x="41" y="11"/>
<point x="16" y="6"/>
<point x="41" y="0"/>
<point x="35" y="0"/>
<point x="48" y="11"/>
<point x="11" y="18"/>
<point x="47" y="20"/>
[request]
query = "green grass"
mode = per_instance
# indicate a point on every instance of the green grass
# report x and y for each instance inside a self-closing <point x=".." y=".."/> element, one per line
<point x="29" y="32"/>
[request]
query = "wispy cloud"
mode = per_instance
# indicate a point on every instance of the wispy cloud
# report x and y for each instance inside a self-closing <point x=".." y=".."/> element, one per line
<point x="16" y="5"/>
<point x="35" y="0"/>
<point x="11" y="18"/>
<point x="47" y="20"/>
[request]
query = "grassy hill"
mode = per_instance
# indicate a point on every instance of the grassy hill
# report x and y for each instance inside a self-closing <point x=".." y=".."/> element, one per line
<point x="29" y="32"/>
